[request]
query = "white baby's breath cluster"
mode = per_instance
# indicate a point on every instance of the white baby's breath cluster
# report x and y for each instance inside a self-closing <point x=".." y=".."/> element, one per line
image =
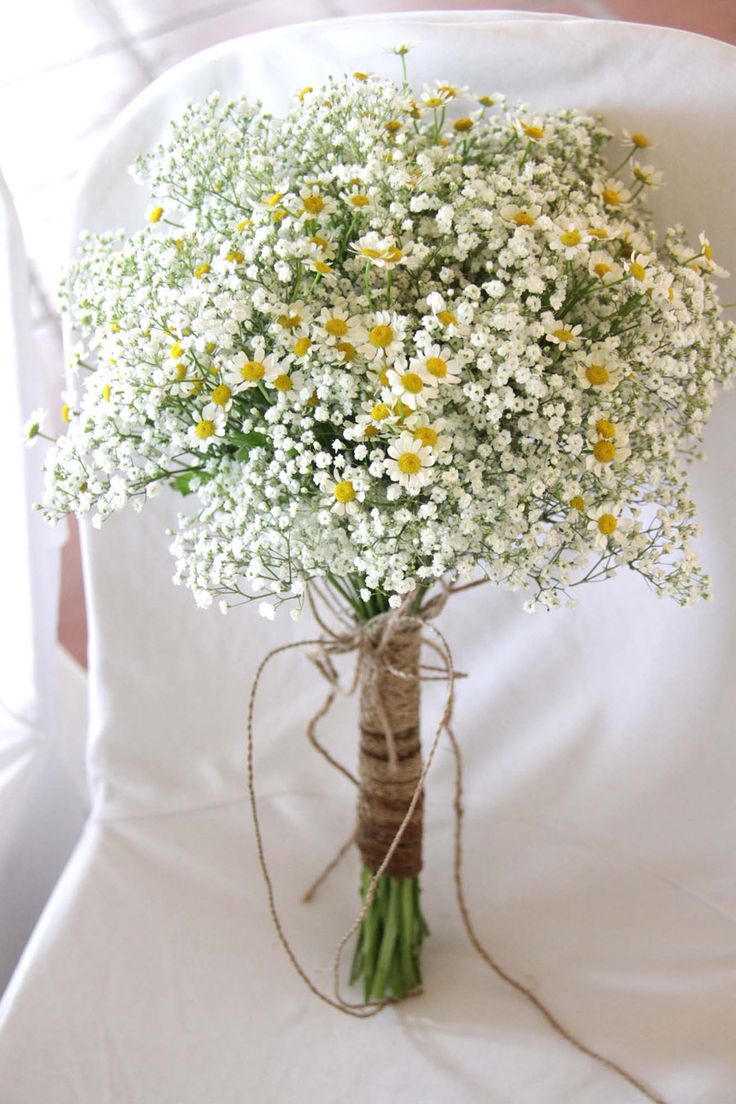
<point x="391" y="337"/>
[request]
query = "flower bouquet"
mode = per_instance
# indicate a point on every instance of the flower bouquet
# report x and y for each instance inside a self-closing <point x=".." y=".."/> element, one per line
<point x="393" y="344"/>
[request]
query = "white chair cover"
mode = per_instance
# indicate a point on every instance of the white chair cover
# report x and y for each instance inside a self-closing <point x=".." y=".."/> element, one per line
<point x="599" y="746"/>
<point x="41" y="813"/>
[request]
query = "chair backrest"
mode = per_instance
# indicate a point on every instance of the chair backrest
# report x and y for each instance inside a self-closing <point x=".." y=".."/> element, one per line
<point x="582" y="712"/>
<point x="40" y="814"/>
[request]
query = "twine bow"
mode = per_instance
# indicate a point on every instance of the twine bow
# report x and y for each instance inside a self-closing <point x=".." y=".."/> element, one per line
<point x="370" y="642"/>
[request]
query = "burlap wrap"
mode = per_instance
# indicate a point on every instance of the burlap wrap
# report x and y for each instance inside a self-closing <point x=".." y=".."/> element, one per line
<point x="390" y="750"/>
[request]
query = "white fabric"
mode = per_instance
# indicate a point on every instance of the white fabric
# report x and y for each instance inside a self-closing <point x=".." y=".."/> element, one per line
<point x="599" y="743"/>
<point x="41" y="814"/>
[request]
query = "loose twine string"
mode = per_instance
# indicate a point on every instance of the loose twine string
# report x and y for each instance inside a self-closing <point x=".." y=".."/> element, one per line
<point x="352" y="637"/>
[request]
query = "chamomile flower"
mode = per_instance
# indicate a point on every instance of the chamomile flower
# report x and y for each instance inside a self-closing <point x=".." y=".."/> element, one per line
<point x="413" y="387"/>
<point x="409" y="463"/>
<point x="209" y="426"/>
<point x="341" y="497"/>
<point x="613" y="193"/>
<point x="520" y="216"/>
<point x="249" y="369"/>
<point x="637" y="139"/>
<point x="313" y="203"/>
<point x="609" y="445"/>
<point x="708" y="260"/>
<point x="385" y="340"/>
<point x="598" y="371"/>
<point x="604" y="525"/>
<point x="564" y="334"/>
<point x="357" y="199"/>
<point x="335" y="325"/>
<point x="429" y="433"/>
<point x="602" y="265"/>
<point x="642" y="271"/>
<point x="568" y="238"/>
<point x="34" y="426"/>
<point x="648" y="175"/>
<point x="439" y="362"/>
<point x="283" y="378"/>
<point x="533" y="130"/>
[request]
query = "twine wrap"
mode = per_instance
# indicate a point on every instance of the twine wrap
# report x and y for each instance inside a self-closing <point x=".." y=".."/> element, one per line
<point x="390" y="749"/>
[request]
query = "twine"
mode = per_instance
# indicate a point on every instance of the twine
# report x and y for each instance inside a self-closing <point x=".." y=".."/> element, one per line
<point x="374" y="637"/>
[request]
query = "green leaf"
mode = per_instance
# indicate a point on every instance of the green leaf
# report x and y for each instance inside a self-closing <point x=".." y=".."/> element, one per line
<point x="248" y="441"/>
<point x="183" y="482"/>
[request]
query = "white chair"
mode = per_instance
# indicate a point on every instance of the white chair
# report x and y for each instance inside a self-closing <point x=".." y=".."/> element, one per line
<point x="41" y="809"/>
<point x="598" y="743"/>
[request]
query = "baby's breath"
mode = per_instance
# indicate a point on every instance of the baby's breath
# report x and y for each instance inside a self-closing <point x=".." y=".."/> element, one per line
<point x="392" y="337"/>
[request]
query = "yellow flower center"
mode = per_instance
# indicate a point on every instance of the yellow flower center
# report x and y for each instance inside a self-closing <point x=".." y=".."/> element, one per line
<point x="360" y="75"/>
<point x="434" y="101"/>
<point x="486" y="101"/>
<point x="605" y="428"/>
<point x="345" y="491"/>
<point x="176" y="351"/>
<point x="302" y="346"/>
<point x="236" y="256"/>
<point x="531" y="131"/>
<point x="601" y="269"/>
<point x="611" y="196"/>
<point x="598" y="231"/>
<point x="607" y="524"/>
<point x="178" y="244"/>
<point x="436" y="367"/>
<point x="156" y="213"/>
<point x="275" y="199"/>
<point x="426" y="435"/>
<point x="322" y="267"/>
<point x="640" y="140"/>
<point x="221" y="395"/>
<point x="371" y="254"/>
<point x="596" y="374"/>
<point x="337" y="327"/>
<point x="282" y="383"/>
<point x="412" y="382"/>
<point x="106" y="392"/>
<point x="524" y="218"/>
<point x="409" y="463"/>
<point x="205" y="429"/>
<point x="314" y="204"/>
<point x="243" y="223"/>
<point x="379" y="412"/>
<point x="253" y="370"/>
<point x="392" y="254"/>
<point x="320" y="242"/>
<point x="196" y="387"/>
<point x="181" y="371"/>
<point x="447" y="318"/>
<point x="707" y="251"/>
<point x="359" y="200"/>
<point x="577" y="502"/>
<point x="289" y="321"/>
<point x="370" y="431"/>
<point x="393" y="125"/>
<point x="463" y="125"/>
<point x="638" y="271"/>
<point x="570" y="237"/>
<point x="604" y="451"/>
<point x="563" y="334"/>
<point x="348" y="351"/>
<point x="305" y="92"/>
<point x="201" y="270"/>
<point x="381" y="337"/>
<point x="66" y="413"/>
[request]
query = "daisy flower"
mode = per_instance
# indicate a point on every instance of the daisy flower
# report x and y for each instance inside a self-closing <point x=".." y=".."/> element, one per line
<point x="613" y="192"/>
<point x="610" y="445"/>
<point x="357" y="198"/>
<point x="385" y="337"/>
<point x="520" y="216"/>
<point x="413" y="387"/>
<point x="648" y="175"/>
<point x="640" y="270"/>
<point x="209" y="424"/>
<point x="289" y="317"/>
<point x="637" y="140"/>
<point x="314" y="204"/>
<point x="602" y="265"/>
<point x="561" y="333"/>
<point x="598" y="372"/>
<point x="336" y="324"/>
<point x="568" y="238"/>
<point x="532" y="130"/>
<point x="341" y="497"/>
<point x="708" y="258"/>
<point x="606" y="526"/>
<point x="438" y="362"/>
<point x="429" y="434"/>
<point x="283" y="378"/>
<point x="245" y="371"/>
<point x="409" y="463"/>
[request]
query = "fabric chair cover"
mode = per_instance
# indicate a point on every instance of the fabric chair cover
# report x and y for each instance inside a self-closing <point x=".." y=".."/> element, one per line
<point x="41" y="810"/>
<point x="598" y="743"/>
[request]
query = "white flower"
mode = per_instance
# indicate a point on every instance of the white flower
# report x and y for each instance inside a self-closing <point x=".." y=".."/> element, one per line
<point x="637" y="140"/>
<point x="569" y="238"/>
<point x="602" y="265"/>
<point x="598" y="371"/>
<point x="409" y="462"/>
<point x="561" y="333"/>
<point x="520" y="216"/>
<point x="267" y="610"/>
<point x="245" y="371"/>
<point x="414" y="387"/>
<point x="315" y="204"/>
<point x="613" y="193"/>
<point x="707" y="259"/>
<point x="438" y="362"/>
<point x="430" y="434"/>
<point x="649" y="176"/>
<point x="604" y="525"/>
<point x="209" y="425"/>
<point x="385" y="336"/>
<point x="640" y="270"/>
<point x="34" y="425"/>
<point x="532" y="130"/>
<point x="341" y="497"/>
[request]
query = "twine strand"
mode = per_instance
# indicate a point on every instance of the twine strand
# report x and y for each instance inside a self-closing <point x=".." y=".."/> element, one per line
<point x="333" y="643"/>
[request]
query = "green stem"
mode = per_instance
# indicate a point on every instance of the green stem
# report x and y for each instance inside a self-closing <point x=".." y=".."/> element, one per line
<point x="388" y="948"/>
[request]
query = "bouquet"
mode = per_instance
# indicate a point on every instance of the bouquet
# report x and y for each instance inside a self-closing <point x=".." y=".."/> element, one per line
<point x="389" y="345"/>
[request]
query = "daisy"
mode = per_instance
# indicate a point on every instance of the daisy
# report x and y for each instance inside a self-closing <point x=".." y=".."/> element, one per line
<point x="385" y="337"/>
<point x="613" y="192"/>
<point x="429" y="434"/>
<point x="209" y="424"/>
<point x="561" y="333"/>
<point x="648" y="175"/>
<point x="640" y="271"/>
<point x="604" y="524"/>
<point x="409" y="463"/>
<point x="336" y="325"/>
<point x="412" y="387"/>
<point x="601" y="229"/>
<point x="532" y="130"/>
<point x="357" y="198"/>
<point x="314" y="204"/>
<point x="245" y="371"/>
<point x="708" y="259"/>
<point x="602" y="265"/>
<point x="610" y="445"/>
<point x="637" y="140"/>
<point x="521" y="216"/>
<point x="568" y="238"/>
<point x="438" y="362"/>
<point x="341" y="497"/>
<point x="598" y="371"/>
<point x="288" y="317"/>
<point x="283" y="378"/>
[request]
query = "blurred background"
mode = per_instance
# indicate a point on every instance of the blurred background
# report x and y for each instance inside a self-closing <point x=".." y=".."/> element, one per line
<point x="68" y="67"/>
